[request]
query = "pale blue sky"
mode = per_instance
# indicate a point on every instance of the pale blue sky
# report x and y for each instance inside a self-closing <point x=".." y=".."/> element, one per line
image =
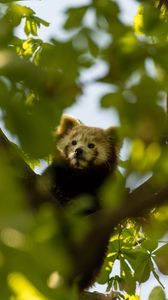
<point x="52" y="11"/>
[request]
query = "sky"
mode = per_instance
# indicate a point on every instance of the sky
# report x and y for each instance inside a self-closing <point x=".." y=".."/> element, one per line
<point x="53" y="12"/>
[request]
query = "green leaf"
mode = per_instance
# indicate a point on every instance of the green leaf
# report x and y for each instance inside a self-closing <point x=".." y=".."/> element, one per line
<point x="112" y="193"/>
<point x="11" y="191"/>
<point x="52" y="58"/>
<point x="157" y="278"/>
<point x="16" y="12"/>
<point x="6" y="32"/>
<point x="29" y="47"/>
<point x="40" y="21"/>
<point x="157" y="294"/>
<point x="141" y="263"/>
<point x="30" y="26"/>
<point x="112" y="99"/>
<point x="161" y="259"/>
<point x="75" y="17"/>
<point x="149" y="245"/>
<point x="14" y="68"/>
<point x="129" y="282"/>
<point x="93" y="47"/>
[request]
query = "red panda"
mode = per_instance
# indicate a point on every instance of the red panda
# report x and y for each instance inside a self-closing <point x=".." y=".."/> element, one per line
<point x="83" y="157"/>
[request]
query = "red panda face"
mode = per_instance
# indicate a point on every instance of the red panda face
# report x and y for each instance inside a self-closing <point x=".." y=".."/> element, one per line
<point x="84" y="147"/>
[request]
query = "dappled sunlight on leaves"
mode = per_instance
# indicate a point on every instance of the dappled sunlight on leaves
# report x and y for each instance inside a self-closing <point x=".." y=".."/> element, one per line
<point x="23" y="288"/>
<point x="128" y="297"/>
<point x="144" y="158"/>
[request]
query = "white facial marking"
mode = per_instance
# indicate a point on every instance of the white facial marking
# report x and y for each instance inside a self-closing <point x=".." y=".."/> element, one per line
<point x="94" y="147"/>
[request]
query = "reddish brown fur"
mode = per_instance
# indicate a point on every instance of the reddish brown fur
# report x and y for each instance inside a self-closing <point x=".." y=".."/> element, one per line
<point x="72" y="176"/>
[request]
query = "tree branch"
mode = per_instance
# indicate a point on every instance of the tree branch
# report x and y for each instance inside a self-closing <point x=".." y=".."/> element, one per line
<point x="92" y="249"/>
<point x="29" y="180"/>
<point x="88" y="254"/>
<point x="163" y="2"/>
<point x="98" y="296"/>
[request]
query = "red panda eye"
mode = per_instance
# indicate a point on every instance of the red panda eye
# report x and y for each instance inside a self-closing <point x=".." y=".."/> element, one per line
<point x="74" y="142"/>
<point x="91" y="145"/>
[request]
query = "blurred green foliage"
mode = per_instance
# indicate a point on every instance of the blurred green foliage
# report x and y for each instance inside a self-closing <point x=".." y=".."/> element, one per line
<point x="38" y="80"/>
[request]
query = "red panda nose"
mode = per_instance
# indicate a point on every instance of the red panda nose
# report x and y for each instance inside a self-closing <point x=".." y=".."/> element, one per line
<point x="78" y="152"/>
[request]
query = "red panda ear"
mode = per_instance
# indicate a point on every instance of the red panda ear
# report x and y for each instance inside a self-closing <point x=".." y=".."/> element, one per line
<point x="67" y="122"/>
<point x="113" y="134"/>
